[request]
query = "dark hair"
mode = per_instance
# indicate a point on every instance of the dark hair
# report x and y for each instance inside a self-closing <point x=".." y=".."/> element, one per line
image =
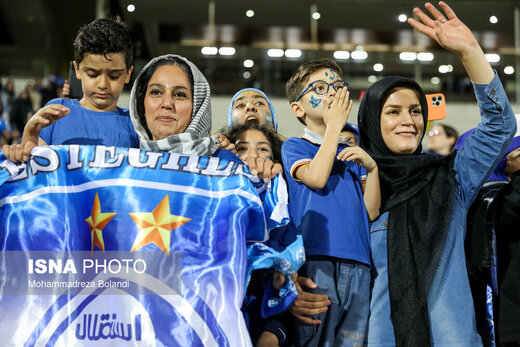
<point x="274" y="140"/>
<point x="297" y="82"/>
<point x="450" y="132"/>
<point x="146" y="75"/>
<point x="103" y="36"/>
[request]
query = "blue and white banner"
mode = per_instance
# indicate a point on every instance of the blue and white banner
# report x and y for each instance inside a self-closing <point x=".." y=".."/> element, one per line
<point x="105" y="199"/>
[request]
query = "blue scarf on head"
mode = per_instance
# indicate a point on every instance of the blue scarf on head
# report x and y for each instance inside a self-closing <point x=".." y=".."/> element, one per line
<point x="230" y="109"/>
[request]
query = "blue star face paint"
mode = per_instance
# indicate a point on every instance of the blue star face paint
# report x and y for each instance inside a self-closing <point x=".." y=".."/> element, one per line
<point x="314" y="101"/>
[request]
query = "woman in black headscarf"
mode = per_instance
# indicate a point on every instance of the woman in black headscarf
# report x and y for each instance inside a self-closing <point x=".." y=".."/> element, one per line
<point x="420" y="294"/>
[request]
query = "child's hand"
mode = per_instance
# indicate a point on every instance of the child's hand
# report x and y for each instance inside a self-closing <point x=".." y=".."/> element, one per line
<point x="358" y="156"/>
<point x="224" y="143"/>
<point x="43" y="118"/>
<point x="336" y="113"/>
<point x="263" y="168"/>
<point x="278" y="279"/>
<point x="18" y="152"/>
<point x="449" y="31"/>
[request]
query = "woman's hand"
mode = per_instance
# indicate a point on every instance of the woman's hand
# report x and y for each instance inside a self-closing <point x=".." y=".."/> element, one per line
<point x="453" y="35"/>
<point x="263" y="168"/>
<point x="449" y="31"/>
<point x="358" y="156"/>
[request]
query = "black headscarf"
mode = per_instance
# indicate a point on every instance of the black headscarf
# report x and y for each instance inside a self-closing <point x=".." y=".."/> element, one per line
<point x="418" y="192"/>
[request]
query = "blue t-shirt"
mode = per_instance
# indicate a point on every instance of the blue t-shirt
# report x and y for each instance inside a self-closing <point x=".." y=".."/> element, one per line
<point x="86" y="127"/>
<point x="332" y="220"/>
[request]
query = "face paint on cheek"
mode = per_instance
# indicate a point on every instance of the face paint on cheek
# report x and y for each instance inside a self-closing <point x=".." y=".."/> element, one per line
<point x="268" y="117"/>
<point x="314" y="101"/>
<point x="235" y="119"/>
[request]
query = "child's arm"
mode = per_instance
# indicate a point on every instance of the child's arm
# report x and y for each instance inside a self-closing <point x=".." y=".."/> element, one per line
<point x="371" y="189"/>
<point x="31" y="134"/>
<point x="316" y="174"/>
<point x="454" y="36"/>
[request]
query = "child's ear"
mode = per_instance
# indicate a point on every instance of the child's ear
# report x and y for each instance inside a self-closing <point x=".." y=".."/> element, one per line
<point x="129" y="74"/>
<point x="298" y="110"/>
<point x="76" y="68"/>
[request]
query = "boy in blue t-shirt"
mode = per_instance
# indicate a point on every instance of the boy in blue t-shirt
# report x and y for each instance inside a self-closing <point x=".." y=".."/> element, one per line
<point x="327" y="203"/>
<point x="103" y="58"/>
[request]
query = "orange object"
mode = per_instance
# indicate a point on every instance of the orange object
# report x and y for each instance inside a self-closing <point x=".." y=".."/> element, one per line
<point x="436" y="106"/>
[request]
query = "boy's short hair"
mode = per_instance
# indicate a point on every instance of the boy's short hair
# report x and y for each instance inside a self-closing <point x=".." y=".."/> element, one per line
<point x="104" y="36"/>
<point x="299" y="79"/>
<point x="297" y="82"/>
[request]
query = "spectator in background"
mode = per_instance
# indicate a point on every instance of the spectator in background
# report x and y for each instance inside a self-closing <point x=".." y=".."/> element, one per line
<point x="34" y="95"/>
<point x="21" y="111"/>
<point x="350" y="135"/>
<point x="506" y="209"/>
<point x="7" y="96"/>
<point x="441" y="140"/>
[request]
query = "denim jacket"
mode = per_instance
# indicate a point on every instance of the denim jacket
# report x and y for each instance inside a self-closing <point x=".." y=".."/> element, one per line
<point x="450" y="306"/>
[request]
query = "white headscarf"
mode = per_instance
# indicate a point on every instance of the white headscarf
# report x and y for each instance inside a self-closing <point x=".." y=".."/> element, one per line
<point x="196" y="140"/>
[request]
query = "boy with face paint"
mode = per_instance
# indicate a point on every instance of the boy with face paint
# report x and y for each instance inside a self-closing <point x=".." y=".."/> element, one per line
<point x="251" y="105"/>
<point x="328" y="194"/>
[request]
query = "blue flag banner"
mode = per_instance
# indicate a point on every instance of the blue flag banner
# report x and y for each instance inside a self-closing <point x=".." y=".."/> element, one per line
<point x="103" y="199"/>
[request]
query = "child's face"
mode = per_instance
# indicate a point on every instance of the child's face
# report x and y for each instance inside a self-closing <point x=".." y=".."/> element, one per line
<point x="168" y="102"/>
<point x="349" y="137"/>
<point x="102" y="80"/>
<point x="253" y="144"/>
<point x="311" y="102"/>
<point x="251" y="106"/>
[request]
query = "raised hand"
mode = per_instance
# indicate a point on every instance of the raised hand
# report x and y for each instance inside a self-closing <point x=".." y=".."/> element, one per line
<point x="448" y="30"/>
<point x="44" y="117"/>
<point x="453" y="35"/>
<point x="338" y="111"/>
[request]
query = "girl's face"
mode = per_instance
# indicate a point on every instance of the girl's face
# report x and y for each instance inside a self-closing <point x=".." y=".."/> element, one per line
<point x="402" y="123"/>
<point x="251" y="106"/>
<point x="253" y="144"/>
<point x="168" y="102"/>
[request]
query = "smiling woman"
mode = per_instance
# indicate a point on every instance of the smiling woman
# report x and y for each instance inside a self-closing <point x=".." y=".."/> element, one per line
<point x="420" y="291"/>
<point x="170" y="108"/>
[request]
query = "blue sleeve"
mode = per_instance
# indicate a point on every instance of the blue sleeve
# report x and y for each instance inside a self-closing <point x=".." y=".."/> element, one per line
<point x="486" y="146"/>
<point x="294" y="154"/>
<point x="46" y="133"/>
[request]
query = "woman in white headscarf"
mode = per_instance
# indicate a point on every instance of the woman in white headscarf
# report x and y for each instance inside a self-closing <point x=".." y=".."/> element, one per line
<point x="171" y="110"/>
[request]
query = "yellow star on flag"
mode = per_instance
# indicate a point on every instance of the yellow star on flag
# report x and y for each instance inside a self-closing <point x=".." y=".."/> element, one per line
<point x="156" y="227"/>
<point x="96" y="222"/>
